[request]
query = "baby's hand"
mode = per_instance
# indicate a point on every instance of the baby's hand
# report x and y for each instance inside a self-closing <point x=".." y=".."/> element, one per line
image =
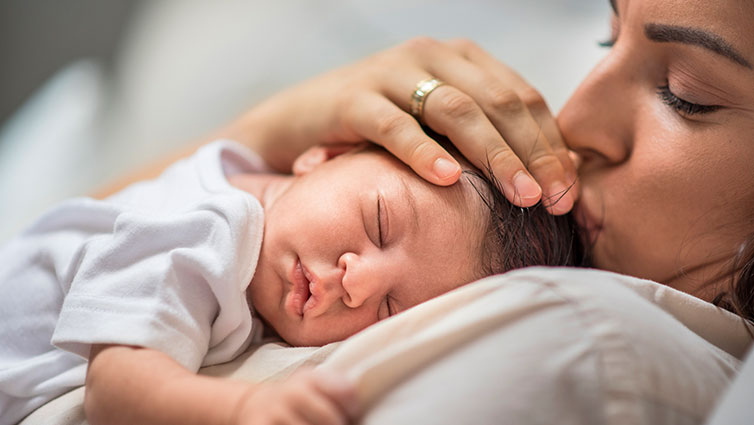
<point x="307" y="397"/>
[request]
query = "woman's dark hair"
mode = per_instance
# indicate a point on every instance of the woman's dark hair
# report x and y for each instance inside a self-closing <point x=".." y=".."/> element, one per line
<point x="517" y="237"/>
<point x="739" y="296"/>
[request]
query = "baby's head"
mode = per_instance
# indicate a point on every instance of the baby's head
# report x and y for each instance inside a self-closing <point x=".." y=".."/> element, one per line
<point x="356" y="238"/>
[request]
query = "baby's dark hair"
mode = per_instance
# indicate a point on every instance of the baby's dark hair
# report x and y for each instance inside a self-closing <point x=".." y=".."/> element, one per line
<point x="517" y="237"/>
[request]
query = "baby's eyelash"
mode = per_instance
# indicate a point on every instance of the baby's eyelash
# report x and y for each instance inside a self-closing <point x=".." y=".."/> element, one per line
<point x="379" y="220"/>
<point x="682" y="106"/>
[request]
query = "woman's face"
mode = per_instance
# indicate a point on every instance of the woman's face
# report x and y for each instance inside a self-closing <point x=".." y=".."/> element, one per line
<point x="665" y="128"/>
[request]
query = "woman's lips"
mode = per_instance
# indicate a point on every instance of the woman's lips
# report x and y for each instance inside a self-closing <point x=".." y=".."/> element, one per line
<point x="299" y="294"/>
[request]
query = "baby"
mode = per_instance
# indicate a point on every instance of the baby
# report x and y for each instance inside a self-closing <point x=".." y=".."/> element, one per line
<point x="180" y="272"/>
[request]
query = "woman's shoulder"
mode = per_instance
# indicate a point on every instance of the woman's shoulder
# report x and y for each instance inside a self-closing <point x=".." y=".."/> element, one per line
<point x="639" y="301"/>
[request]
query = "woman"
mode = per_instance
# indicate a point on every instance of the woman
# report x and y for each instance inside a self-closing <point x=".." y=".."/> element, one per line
<point x="661" y="129"/>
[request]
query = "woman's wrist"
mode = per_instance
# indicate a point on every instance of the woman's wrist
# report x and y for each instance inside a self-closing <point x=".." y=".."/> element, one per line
<point x="273" y="130"/>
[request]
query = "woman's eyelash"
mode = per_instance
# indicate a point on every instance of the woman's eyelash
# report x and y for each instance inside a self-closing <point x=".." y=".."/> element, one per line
<point x="614" y="31"/>
<point x="682" y="106"/>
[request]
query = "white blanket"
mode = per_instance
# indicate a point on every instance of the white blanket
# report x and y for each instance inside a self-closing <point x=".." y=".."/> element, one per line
<point x="532" y="346"/>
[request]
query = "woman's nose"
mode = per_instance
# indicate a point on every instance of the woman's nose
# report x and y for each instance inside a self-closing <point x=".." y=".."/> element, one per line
<point x="597" y="121"/>
<point x="359" y="282"/>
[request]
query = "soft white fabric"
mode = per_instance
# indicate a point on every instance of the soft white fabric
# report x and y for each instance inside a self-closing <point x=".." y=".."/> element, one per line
<point x="536" y="346"/>
<point x="735" y="407"/>
<point x="544" y="346"/>
<point x="164" y="264"/>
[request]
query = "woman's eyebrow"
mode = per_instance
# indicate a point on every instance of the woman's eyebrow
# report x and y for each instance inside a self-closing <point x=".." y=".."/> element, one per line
<point x="675" y="34"/>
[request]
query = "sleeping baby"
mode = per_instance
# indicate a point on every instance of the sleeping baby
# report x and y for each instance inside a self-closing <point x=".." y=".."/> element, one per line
<point x="131" y="295"/>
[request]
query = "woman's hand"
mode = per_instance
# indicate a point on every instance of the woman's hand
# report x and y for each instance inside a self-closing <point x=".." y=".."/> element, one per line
<point x="489" y="112"/>
<point x="307" y="397"/>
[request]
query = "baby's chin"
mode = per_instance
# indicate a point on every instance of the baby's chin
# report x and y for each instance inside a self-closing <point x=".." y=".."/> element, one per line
<point x="299" y="338"/>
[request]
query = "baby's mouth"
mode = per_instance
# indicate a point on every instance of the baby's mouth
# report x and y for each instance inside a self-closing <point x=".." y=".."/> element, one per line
<point x="300" y="293"/>
<point x="311" y="300"/>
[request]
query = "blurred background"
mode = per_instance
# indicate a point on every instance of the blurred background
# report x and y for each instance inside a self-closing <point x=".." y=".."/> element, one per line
<point x="90" y="89"/>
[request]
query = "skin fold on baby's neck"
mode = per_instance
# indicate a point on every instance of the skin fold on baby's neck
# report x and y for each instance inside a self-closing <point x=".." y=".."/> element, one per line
<point x="265" y="187"/>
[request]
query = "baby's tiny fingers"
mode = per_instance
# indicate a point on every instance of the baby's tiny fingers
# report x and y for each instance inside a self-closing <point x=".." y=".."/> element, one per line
<point x="318" y="409"/>
<point x="339" y="389"/>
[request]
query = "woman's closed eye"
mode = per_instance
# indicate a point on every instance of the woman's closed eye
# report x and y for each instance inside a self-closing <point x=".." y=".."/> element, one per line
<point x="681" y="106"/>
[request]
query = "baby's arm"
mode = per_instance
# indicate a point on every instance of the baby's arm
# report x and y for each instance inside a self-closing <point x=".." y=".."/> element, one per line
<point x="137" y="385"/>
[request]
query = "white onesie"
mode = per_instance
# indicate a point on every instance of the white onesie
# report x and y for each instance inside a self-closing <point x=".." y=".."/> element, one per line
<point x="163" y="264"/>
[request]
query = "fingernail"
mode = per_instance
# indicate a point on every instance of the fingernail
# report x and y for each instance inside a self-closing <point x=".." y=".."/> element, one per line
<point x="526" y="188"/>
<point x="445" y="169"/>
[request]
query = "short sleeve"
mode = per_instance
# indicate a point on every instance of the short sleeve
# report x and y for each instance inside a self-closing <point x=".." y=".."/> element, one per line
<point x="172" y="282"/>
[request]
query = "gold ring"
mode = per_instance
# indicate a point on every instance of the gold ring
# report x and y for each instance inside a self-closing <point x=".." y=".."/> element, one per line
<point x="419" y="96"/>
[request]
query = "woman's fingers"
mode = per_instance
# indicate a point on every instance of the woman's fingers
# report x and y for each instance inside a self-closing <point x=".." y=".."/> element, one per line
<point x="534" y="103"/>
<point x="456" y="115"/>
<point x="381" y="121"/>
<point x="521" y="115"/>
<point x="482" y="112"/>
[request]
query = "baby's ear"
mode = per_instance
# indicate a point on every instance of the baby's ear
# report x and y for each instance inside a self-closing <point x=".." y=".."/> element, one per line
<point x="319" y="154"/>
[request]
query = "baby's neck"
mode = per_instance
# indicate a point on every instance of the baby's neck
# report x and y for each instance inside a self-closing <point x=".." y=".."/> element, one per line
<point x="265" y="187"/>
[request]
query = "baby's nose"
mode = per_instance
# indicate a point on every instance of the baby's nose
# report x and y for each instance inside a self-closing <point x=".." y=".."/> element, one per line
<point x="357" y="280"/>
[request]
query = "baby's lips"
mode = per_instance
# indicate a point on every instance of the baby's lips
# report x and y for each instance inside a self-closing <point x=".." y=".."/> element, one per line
<point x="312" y="300"/>
<point x="299" y="292"/>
